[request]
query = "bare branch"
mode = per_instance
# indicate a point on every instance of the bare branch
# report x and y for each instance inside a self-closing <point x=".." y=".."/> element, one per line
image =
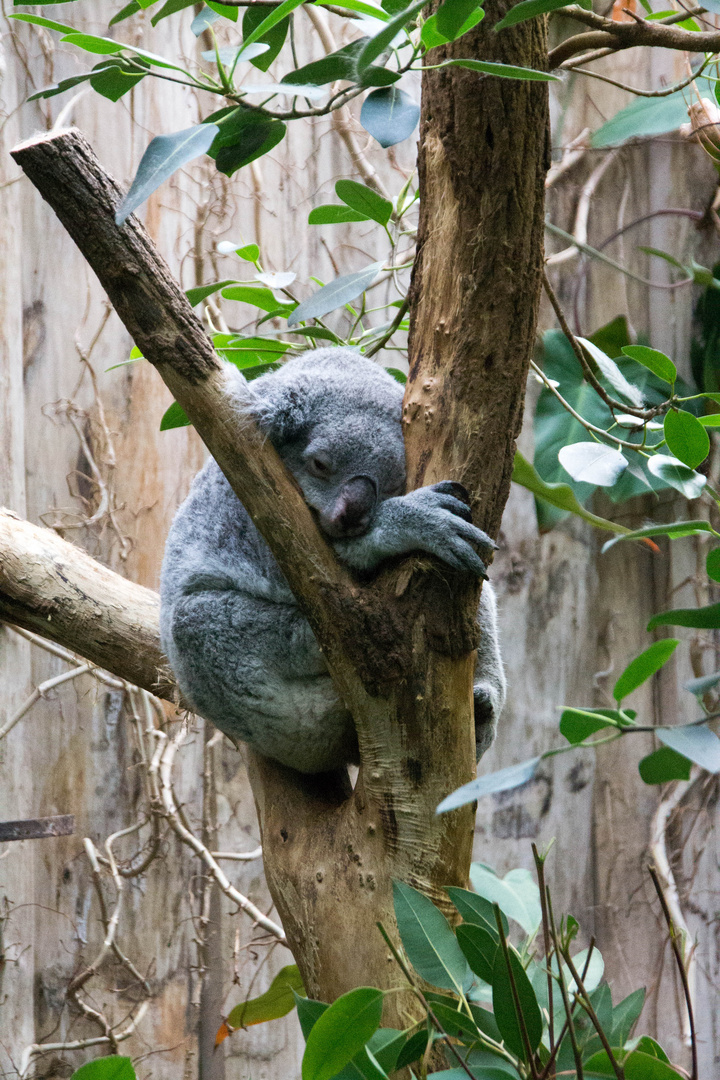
<point x="608" y="34"/>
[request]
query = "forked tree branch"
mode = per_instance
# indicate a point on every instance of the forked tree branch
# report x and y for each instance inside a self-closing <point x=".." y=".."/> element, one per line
<point x="606" y="33"/>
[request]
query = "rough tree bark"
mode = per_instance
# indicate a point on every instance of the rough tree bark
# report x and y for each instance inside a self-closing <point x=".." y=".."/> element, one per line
<point x="401" y="649"/>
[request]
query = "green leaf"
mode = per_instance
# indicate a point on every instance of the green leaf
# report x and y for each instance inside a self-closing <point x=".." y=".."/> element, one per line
<point x="613" y="374"/>
<point x="504" y="1008"/>
<point x="647" y="116"/>
<point x="341" y="1032"/>
<point x="260" y="33"/>
<point x="106" y="1068"/>
<point x="636" y="1066"/>
<point x="475" y="909"/>
<point x="479" y="947"/>
<point x="130" y="9"/>
<point x="381" y="41"/>
<point x="340" y="291"/>
<point x="333" y="214"/>
<point x="712" y="564"/>
<point x="277" y="1001"/>
<point x="274" y="36"/>
<point x="646" y="1045"/>
<point x="490" y="784"/>
<point x="257" y="295"/>
<point x="703" y="618"/>
<point x="456" y="1022"/>
<point x="503" y="71"/>
<point x="686" y="438"/>
<point x="61" y="87"/>
<point x="625" y="1016"/>
<point x="697" y="743"/>
<point x="592" y="463"/>
<point x="174" y="417"/>
<point x="530" y="9"/>
<point x="430" y="944"/>
<point x="413" y="1049"/>
<point x="452" y="15"/>
<point x="164" y="155"/>
<point x="676" y="475"/>
<point x="309" y="1012"/>
<point x="675" y="530"/>
<point x="338" y="65"/>
<point x="203" y="291"/>
<point x="431" y="36"/>
<point x="244" y="135"/>
<point x="516" y="894"/>
<point x="398" y="375"/>
<point x="362" y="8"/>
<point x="644" y="666"/>
<point x="170" y="8"/>
<point x="561" y="496"/>
<point x="364" y="200"/>
<point x="40" y="20"/>
<point x="389" y="115"/>
<point x="655" y="361"/>
<point x="664" y="765"/>
<point x="578" y="724"/>
<point x="114" y="80"/>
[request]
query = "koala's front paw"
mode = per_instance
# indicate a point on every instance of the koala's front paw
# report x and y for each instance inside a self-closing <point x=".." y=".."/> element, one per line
<point x="450" y="533"/>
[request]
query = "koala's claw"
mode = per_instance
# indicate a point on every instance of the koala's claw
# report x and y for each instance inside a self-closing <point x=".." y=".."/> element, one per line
<point x="450" y="487"/>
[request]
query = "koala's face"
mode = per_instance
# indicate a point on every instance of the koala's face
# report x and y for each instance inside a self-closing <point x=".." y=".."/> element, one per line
<point x="346" y="467"/>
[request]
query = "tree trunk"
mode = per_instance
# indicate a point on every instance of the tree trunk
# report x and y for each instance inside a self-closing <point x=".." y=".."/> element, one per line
<point x="401" y="650"/>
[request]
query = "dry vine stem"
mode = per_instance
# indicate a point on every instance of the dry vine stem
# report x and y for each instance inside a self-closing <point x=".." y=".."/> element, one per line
<point x="401" y="649"/>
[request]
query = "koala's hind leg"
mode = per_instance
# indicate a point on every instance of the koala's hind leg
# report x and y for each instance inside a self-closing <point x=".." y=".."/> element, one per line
<point x="253" y="667"/>
<point x="489" y="685"/>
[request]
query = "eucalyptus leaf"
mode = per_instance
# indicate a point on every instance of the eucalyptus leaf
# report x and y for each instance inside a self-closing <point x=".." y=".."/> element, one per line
<point x="503" y="71"/>
<point x="430" y="944"/>
<point x="338" y="292"/>
<point x="333" y="67"/>
<point x="686" y="438"/>
<point x="111" y="1067"/>
<point x="530" y="9"/>
<point x="676" y="475"/>
<point x="576" y="725"/>
<point x="340" y="1032"/>
<point x="702" y="618"/>
<point x="475" y="909"/>
<point x="648" y="116"/>
<point x="698" y="743"/>
<point x="452" y="15"/>
<point x="504" y="1008"/>
<point x="381" y="41"/>
<point x="164" y="155"/>
<point x="364" y="200"/>
<point x="700" y="686"/>
<point x="560" y="496"/>
<point x="516" y="894"/>
<point x="174" y="417"/>
<point x="654" y="360"/>
<point x="644" y="666"/>
<point x="389" y="115"/>
<point x="333" y="214"/>
<point x="664" y="765"/>
<point x="278" y="1000"/>
<point x="592" y="463"/>
<point x="490" y="784"/>
<point x="675" y="530"/>
<point x="613" y="374"/>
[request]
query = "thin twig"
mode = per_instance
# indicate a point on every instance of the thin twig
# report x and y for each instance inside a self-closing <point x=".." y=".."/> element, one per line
<point x="563" y="990"/>
<point x="641" y="414"/>
<point x="680" y="965"/>
<point x="401" y="313"/>
<point x="540" y="870"/>
<point x="584" y="998"/>
<point x="529" y="1054"/>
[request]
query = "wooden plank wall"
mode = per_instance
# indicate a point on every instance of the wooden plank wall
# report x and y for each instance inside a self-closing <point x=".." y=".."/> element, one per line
<point x="571" y="617"/>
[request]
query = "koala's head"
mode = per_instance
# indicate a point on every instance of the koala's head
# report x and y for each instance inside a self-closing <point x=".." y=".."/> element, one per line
<point x="335" y="419"/>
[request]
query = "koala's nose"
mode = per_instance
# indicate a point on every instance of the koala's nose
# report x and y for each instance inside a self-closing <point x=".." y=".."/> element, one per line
<point x="353" y="509"/>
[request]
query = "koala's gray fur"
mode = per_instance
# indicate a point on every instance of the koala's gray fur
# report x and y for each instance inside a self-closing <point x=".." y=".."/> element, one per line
<point x="241" y="649"/>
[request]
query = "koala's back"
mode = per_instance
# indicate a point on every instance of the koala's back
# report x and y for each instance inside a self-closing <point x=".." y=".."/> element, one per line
<point x="243" y="653"/>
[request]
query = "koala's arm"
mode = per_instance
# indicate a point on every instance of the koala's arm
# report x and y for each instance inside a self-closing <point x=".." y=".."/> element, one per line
<point x="432" y="519"/>
<point x="490" y="687"/>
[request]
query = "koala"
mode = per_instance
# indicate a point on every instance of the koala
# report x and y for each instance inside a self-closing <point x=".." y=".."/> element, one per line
<point x="240" y="647"/>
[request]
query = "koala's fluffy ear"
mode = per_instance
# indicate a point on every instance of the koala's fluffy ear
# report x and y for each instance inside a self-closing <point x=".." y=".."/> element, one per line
<point x="280" y="409"/>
